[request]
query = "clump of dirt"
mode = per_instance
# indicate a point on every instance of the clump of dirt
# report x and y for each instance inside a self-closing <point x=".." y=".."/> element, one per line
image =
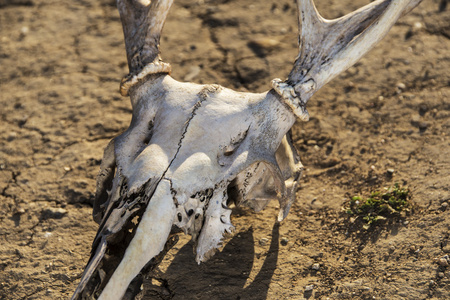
<point x="385" y="120"/>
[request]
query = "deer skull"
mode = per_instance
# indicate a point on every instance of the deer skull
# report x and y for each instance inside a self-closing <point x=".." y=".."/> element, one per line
<point x="192" y="149"/>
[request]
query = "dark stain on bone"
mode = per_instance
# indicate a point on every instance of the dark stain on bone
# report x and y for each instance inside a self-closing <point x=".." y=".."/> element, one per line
<point x="116" y="230"/>
<point x="149" y="135"/>
<point x="203" y="195"/>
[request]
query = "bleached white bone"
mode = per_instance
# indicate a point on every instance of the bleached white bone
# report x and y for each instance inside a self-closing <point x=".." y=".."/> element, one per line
<point x="190" y="149"/>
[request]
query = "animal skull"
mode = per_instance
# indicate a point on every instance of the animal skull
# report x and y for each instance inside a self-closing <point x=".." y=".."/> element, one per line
<point x="192" y="149"/>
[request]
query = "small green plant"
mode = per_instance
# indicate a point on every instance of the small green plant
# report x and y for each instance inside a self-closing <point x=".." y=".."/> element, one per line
<point x="393" y="203"/>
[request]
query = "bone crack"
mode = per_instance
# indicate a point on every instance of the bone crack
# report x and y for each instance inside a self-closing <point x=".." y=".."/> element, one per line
<point x="197" y="105"/>
<point x="209" y="90"/>
<point x="131" y="80"/>
<point x="191" y="211"/>
<point x="291" y="99"/>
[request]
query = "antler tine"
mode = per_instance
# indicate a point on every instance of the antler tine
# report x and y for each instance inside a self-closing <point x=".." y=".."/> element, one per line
<point x="330" y="35"/>
<point x="329" y="47"/>
<point x="142" y="22"/>
<point x="363" y="43"/>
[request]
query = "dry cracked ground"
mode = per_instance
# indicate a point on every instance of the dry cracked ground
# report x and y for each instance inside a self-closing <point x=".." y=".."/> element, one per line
<point x="60" y="66"/>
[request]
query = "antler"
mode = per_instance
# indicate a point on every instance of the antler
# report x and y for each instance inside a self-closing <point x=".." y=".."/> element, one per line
<point x="142" y="22"/>
<point x="329" y="47"/>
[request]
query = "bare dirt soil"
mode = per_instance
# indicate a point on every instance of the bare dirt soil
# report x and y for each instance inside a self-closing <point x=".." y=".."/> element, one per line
<point x="60" y="67"/>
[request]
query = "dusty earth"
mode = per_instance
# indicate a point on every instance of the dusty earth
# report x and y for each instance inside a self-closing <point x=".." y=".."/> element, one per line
<point x="60" y="67"/>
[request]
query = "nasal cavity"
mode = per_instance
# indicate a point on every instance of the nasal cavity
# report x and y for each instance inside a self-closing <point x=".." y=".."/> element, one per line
<point x="190" y="212"/>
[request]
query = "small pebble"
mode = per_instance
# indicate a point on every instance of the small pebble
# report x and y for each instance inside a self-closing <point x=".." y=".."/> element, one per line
<point x="415" y="119"/>
<point x="54" y="213"/>
<point x="444" y="205"/>
<point x="263" y="241"/>
<point x="443" y="262"/>
<point x="11" y="136"/>
<point x="441" y="274"/>
<point x="418" y="25"/>
<point x="284" y="241"/>
<point x="315" y="266"/>
<point x="390" y="171"/>
<point x="391" y="248"/>
<point x="265" y="44"/>
<point x="423" y="125"/>
<point x="309" y="288"/>
<point x="24" y="30"/>
<point x="401" y="86"/>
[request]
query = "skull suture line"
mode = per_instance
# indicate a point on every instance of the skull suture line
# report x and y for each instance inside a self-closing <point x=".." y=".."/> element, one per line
<point x="191" y="149"/>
